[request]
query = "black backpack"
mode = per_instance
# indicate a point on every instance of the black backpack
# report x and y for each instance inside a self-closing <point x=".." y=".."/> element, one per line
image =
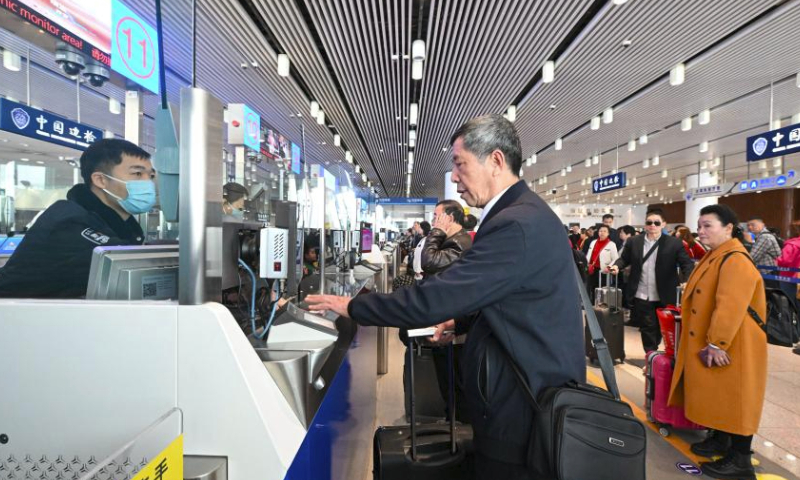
<point x="783" y="320"/>
<point x="581" y="262"/>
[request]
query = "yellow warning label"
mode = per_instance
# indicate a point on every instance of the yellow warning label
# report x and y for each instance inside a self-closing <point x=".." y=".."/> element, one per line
<point x="168" y="465"/>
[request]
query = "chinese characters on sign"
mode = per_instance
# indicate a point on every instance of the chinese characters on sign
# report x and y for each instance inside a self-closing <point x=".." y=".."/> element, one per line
<point x="406" y="201"/>
<point x="789" y="179"/>
<point x="774" y="143"/>
<point x="168" y="465"/>
<point x="609" y="182"/>
<point x="30" y="122"/>
<point x="709" y="191"/>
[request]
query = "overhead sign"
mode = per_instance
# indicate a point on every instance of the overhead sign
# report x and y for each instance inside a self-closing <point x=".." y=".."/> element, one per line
<point x="244" y="126"/>
<point x="709" y="191"/>
<point x="789" y="179"/>
<point x="781" y="141"/>
<point x="92" y="19"/>
<point x="134" y="47"/>
<point x="31" y="122"/>
<point x="609" y="182"/>
<point x="296" y="160"/>
<point x="406" y="201"/>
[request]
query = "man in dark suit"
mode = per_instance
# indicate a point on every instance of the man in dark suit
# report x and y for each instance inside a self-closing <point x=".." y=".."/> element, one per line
<point x="653" y="281"/>
<point x="522" y="304"/>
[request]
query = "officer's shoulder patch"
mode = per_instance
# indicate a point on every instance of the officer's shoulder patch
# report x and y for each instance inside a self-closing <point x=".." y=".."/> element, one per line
<point x="95" y="236"/>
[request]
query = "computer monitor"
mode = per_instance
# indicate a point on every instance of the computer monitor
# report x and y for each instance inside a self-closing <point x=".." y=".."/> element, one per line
<point x="10" y="244"/>
<point x="366" y="240"/>
<point x="134" y="273"/>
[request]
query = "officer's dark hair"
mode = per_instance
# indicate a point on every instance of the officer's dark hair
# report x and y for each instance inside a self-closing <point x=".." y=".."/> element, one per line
<point x="629" y="230"/>
<point x="726" y="216"/>
<point x="426" y="227"/>
<point x="483" y="135"/>
<point x="233" y="191"/>
<point x="655" y="211"/>
<point x="451" y="207"/>
<point x="104" y="154"/>
<point x="608" y="215"/>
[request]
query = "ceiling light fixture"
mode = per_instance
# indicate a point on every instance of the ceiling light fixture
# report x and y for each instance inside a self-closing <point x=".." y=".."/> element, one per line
<point x="588" y="162"/>
<point x="283" y="65"/>
<point x="559" y="144"/>
<point x="511" y="113"/>
<point x="656" y="160"/>
<point x="704" y="117"/>
<point x="664" y="173"/>
<point x="535" y="158"/>
<point x="12" y="61"/>
<point x="677" y="74"/>
<point x="114" y="106"/>
<point x="643" y="140"/>
<point x="596" y="160"/>
<point x="633" y="181"/>
<point x="321" y="117"/>
<point x="762" y="164"/>
<point x="548" y="71"/>
<point x="646" y="163"/>
<point x="777" y="162"/>
<point x="337" y="140"/>
<point x="313" y="108"/>
<point x="608" y="115"/>
<point x="703" y="146"/>
<point x="416" y="70"/>
<point x="594" y="123"/>
<point x="686" y="124"/>
<point x="569" y="168"/>
<point x="529" y="161"/>
<point x="348" y="156"/>
<point x="563" y="172"/>
<point x="631" y="145"/>
<point x="413" y="112"/>
<point x="704" y="165"/>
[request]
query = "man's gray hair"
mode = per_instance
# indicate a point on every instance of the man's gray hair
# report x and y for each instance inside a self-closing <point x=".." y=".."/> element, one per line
<point x="483" y="135"/>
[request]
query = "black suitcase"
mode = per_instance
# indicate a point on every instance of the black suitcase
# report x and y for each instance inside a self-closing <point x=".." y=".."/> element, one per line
<point x="427" y="397"/>
<point x="436" y="451"/>
<point x="612" y="323"/>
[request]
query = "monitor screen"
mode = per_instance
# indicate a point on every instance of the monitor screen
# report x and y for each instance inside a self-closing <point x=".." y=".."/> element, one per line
<point x="366" y="240"/>
<point x="10" y="244"/>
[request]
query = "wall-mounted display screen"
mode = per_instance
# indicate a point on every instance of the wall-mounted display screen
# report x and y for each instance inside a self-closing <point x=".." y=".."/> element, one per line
<point x="366" y="240"/>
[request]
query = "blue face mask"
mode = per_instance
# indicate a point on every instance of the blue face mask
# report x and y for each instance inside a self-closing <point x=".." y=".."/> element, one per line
<point x="141" y="195"/>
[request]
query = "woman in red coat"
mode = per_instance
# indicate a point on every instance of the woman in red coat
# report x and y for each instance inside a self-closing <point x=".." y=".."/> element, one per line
<point x="693" y="248"/>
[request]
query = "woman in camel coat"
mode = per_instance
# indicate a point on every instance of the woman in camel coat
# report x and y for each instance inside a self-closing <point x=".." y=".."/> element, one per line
<point x="726" y="391"/>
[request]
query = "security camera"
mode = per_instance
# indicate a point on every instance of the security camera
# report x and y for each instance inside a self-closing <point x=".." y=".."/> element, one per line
<point x="69" y="58"/>
<point x="96" y="73"/>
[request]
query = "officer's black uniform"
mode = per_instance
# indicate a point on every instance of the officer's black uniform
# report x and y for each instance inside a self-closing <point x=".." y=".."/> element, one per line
<point x="54" y="259"/>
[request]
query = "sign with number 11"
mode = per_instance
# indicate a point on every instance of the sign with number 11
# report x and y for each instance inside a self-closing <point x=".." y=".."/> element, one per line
<point x="133" y="47"/>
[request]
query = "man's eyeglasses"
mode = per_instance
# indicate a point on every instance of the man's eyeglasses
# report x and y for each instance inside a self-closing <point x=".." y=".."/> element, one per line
<point x="657" y="223"/>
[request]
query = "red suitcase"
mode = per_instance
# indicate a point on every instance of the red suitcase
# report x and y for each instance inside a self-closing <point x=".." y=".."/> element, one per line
<point x="660" y="366"/>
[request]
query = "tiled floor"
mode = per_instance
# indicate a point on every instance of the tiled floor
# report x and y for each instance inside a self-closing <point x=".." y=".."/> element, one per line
<point x="779" y="436"/>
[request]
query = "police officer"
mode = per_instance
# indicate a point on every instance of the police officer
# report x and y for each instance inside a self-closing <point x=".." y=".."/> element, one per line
<point x="53" y="260"/>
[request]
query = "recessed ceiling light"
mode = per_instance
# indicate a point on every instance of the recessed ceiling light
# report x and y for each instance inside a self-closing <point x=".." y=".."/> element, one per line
<point x="380" y="150"/>
<point x="626" y="43"/>
<point x="444" y="149"/>
<point x="395" y="57"/>
<point x="40" y="162"/>
<point x="553" y="106"/>
<point x="25" y="159"/>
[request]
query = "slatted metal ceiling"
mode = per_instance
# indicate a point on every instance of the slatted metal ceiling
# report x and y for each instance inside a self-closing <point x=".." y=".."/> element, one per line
<point x="740" y="67"/>
<point x="481" y="55"/>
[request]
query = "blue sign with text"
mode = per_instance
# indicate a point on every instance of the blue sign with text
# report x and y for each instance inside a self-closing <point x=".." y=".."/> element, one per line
<point x="781" y="141"/>
<point x="406" y="201"/>
<point x="134" y="47"/>
<point x="609" y="182"/>
<point x="778" y="181"/>
<point x="30" y="122"/>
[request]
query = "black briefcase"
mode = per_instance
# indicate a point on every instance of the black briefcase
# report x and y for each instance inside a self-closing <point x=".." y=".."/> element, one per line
<point x="420" y="452"/>
<point x="582" y="432"/>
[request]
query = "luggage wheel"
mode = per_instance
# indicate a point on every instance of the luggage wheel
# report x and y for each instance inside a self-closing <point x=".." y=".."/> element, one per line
<point x="663" y="431"/>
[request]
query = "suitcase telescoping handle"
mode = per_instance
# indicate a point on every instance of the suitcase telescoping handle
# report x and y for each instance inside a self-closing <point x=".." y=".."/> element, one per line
<point x="451" y="400"/>
<point x="609" y="276"/>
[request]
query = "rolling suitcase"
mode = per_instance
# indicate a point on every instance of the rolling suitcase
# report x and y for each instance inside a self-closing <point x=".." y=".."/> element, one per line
<point x="427" y="397"/>
<point x="608" y="310"/>
<point x="658" y="374"/>
<point x="420" y="452"/>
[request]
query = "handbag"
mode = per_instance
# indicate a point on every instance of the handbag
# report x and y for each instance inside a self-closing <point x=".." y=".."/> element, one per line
<point x="581" y="431"/>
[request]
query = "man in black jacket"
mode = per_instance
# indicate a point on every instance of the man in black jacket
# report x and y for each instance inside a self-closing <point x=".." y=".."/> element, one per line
<point x="654" y="259"/>
<point x="53" y="260"/>
<point x="525" y="304"/>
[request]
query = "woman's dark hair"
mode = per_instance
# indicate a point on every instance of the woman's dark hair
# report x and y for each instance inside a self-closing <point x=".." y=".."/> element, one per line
<point x="470" y="222"/>
<point x="451" y="207"/>
<point x="600" y="227"/>
<point x="726" y="216"/>
<point x="426" y="227"/>
<point x="629" y="230"/>
<point x="105" y="154"/>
